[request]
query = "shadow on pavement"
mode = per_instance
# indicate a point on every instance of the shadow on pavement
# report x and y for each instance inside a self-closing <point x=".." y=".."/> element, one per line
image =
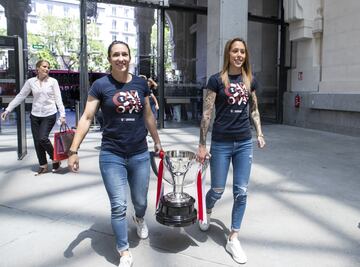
<point x="101" y="242"/>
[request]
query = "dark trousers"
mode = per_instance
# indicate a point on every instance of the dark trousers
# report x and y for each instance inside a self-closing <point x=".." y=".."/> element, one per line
<point x="40" y="128"/>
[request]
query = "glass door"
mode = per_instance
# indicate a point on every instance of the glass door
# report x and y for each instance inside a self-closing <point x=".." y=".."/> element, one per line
<point x="184" y="68"/>
<point x="11" y="81"/>
<point x="263" y="47"/>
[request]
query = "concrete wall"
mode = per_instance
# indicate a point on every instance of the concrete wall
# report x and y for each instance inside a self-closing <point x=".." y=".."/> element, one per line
<point x="341" y="49"/>
<point x="226" y="20"/>
<point x="326" y="65"/>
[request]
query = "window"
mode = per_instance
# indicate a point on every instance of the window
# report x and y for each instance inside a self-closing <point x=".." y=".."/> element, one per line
<point x="33" y="7"/>
<point x="50" y="9"/>
<point x="126" y="12"/>
<point x="113" y="11"/>
<point x="66" y="11"/>
<point x="127" y="39"/>
<point x="114" y="37"/>
<point x="33" y="21"/>
<point x="126" y="26"/>
<point x="114" y="24"/>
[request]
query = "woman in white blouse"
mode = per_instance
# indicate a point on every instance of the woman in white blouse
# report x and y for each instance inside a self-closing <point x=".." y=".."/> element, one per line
<point x="46" y="101"/>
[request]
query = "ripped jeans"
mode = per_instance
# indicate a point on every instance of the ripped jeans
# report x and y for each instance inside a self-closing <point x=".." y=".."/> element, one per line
<point x="240" y="153"/>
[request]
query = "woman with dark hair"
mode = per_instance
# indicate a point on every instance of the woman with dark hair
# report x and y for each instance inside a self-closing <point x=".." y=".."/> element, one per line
<point x="233" y="93"/>
<point x="46" y="102"/>
<point x="153" y="101"/>
<point x="124" y="156"/>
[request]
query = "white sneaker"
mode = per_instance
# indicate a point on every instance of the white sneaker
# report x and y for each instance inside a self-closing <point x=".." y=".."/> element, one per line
<point x="141" y="227"/>
<point x="236" y="251"/>
<point x="126" y="260"/>
<point x="204" y="226"/>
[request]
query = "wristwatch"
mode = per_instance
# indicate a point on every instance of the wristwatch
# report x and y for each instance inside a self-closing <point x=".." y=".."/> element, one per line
<point x="71" y="152"/>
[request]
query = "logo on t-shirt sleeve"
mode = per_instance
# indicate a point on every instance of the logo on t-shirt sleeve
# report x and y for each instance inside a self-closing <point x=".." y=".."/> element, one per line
<point x="127" y="102"/>
<point x="237" y="94"/>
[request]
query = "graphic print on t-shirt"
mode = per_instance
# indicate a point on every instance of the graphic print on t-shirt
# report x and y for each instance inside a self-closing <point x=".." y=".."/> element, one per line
<point x="127" y="102"/>
<point x="237" y="94"/>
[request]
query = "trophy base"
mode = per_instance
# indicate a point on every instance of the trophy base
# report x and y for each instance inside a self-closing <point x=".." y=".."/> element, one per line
<point x="176" y="214"/>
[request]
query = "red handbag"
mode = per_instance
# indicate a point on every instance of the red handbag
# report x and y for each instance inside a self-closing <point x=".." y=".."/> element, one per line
<point x="62" y="142"/>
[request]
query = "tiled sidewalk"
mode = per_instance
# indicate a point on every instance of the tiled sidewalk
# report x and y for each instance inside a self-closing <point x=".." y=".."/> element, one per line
<point x="303" y="208"/>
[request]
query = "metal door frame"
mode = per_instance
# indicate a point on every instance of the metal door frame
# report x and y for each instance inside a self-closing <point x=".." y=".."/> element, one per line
<point x="16" y="43"/>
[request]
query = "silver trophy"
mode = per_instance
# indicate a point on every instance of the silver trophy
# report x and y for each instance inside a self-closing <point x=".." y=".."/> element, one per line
<point x="177" y="207"/>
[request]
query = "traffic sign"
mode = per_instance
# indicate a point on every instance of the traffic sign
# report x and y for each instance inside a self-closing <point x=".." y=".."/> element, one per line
<point x="38" y="46"/>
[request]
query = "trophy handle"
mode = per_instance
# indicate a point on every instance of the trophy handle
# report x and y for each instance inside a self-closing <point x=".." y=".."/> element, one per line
<point x="204" y="165"/>
<point x="153" y="165"/>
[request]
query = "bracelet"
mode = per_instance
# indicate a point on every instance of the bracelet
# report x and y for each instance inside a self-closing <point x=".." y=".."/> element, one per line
<point x="260" y="135"/>
<point x="71" y="152"/>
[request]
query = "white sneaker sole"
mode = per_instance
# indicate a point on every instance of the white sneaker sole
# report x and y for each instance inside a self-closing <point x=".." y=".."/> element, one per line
<point x="238" y="260"/>
<point x="145" y="236"/>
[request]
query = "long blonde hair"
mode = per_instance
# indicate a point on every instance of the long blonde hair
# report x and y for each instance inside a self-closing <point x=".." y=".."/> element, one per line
<point x="245" y="68"/>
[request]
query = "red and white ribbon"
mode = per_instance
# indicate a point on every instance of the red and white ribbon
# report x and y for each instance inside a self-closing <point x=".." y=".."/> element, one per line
<point x="160" y="184"/>
<point x="200" y="185"/>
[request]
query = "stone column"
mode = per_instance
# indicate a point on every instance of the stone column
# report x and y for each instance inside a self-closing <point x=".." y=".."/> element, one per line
<point x="226" y="20"/>
<point x="144" y="18"/>
<point x="16" y="13"/>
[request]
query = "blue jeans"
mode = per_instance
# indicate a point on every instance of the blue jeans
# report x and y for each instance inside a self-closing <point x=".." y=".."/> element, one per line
<point x="240" y="153"/>
<point x="154" y="111"/>
<point x="117" y="172"/>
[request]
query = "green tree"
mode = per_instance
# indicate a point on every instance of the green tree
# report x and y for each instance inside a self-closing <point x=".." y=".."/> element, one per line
<point x="61" y="40"/>
<point x="97" y="59"/>
<point x="168" y="48"/>
<point x="3" y="32"/>
<point x="63" y="37"/>
<point x="42" y="53"/>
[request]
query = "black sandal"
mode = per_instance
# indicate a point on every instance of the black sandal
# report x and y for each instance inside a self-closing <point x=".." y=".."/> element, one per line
<point x="56" y="166"/>
<point x="41" y="170"/>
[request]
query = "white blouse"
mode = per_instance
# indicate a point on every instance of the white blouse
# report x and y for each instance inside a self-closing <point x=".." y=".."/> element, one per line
<point x="46" y="97"/>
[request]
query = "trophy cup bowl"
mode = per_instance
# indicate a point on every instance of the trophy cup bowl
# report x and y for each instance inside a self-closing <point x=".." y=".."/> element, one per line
<point x="177" y="208"/>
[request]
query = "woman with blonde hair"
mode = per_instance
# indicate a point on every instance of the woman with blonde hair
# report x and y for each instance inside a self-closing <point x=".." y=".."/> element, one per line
<point x="233" y="93"/>
<point x="46" y="102"/>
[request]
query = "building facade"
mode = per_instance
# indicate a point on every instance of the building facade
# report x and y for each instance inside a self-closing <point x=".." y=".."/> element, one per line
<point x="325" y="65"/>
<point x="318" y="86"/>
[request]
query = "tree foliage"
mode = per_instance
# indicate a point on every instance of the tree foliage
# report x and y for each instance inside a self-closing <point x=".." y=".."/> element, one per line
<point x="97" y="52"/>
<point x="3" y="32"/>
<point x="44" y="53"/>
<point x="168" y="47"/>
<point x="61" y="40"/>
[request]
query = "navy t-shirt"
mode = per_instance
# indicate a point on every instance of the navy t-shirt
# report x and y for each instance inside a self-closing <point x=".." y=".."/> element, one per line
<point x="232" y="121"/>
<point x="122" y="105"/>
